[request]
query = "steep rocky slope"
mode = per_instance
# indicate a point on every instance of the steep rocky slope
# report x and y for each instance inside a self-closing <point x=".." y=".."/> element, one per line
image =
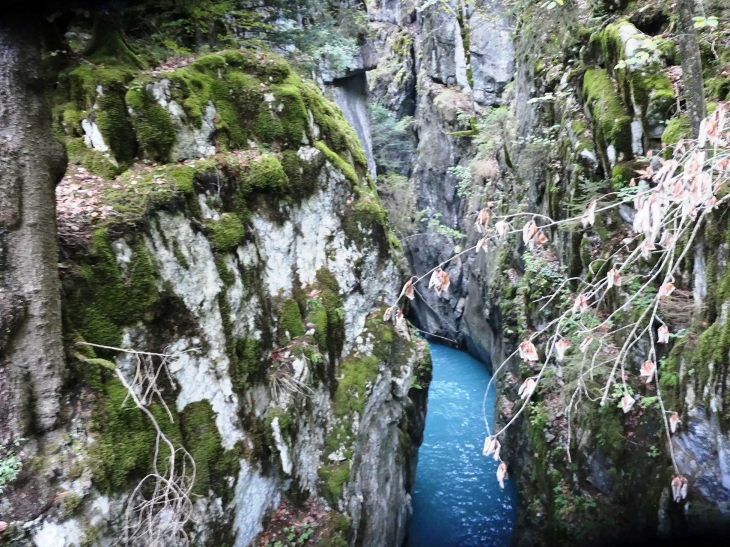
<point x="520" y="108"/>
<point x="220" y="211"/>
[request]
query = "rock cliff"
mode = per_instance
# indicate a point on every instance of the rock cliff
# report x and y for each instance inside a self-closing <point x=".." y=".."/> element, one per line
<point x="220" y="212"/>
<point x="519" y="108"/>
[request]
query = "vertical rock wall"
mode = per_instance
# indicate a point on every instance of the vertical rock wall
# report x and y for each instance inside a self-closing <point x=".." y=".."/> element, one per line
<point x="247" y="240"/>
<point x="555" y="118"/>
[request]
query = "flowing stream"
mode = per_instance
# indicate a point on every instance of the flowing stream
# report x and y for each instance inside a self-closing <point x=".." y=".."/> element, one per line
<point x="457" y="501"/>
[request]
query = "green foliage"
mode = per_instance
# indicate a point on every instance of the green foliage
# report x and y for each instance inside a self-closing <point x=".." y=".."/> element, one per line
<point x="10" y="464"/>
<point x="398" y="196"/>
<point x="494" y="127"/>
<point x="321" y="33"/>
<point x="391" y="139"/>
<point x="434" y="223"/>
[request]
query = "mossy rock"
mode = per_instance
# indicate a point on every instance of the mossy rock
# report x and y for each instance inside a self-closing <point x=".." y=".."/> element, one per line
<point x="202" y="439"/>
<point x="108" y="45"/>
<point x="611" y="122"/>
<point x="124" y="450"/>
<point x="334" y="478"/>
<point x="92" y="160"/>
<point x="622" y="174"/>
<point x="226" y="233"/>
<point x="265" y="174"/>
<point x="248" y="359"/>
<point x="100" y="301"/>
<point x="115" y="126"/>
<point x="652" y="92"/>
<point x="677" y="128"/>
<point x="290" y="321"/>
<point x="152" y="124"/>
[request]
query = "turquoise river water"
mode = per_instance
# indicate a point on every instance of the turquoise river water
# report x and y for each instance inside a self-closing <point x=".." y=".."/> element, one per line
<point x="457" y="501"/>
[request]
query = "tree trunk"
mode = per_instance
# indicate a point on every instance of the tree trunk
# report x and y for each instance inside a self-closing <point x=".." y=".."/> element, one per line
<point x="689" y="49"/>
<point x="31" y="164"/>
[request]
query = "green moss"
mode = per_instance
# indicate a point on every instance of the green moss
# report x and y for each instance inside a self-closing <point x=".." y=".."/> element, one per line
<point x="586" y="255"/>
<point x="677" y="128"/>
<point x="718" y="88"/>
<point x="237" y="99"/>
<point x="179" y="256"/>
<point x="351" y="389"/>
<point x="334" y="129"/>
<point x="152" y="124"/>
<point x="669" y="51"/>
<point x="133" y="200"/>
<point x="92" y="160"/>
<point x="343" y="166"/>
<point x="319" y="318"/>
<point x="286" y="422"/>
<point x="71" y="119"/>
<point x="334" y="478"/>
<point x="210" y="63"/>
<point x="226" y="233"/>
<point x="290" y="320"/>
<point x="294" y="170"/>
<point x="124" y="450"/>
<point x="328" y="315"/>
<point x="248" y="360"/>
<point x="286" y="120"/>
<point x="108" y="45"/>
<point x="224" y="272"/>
<point x="115" y="126"/>
<point x="200" y="435"/>
<point x="183" y="176"/>
<point x="367" y="214"/>
<point x="326" y="279"/>
<point x="611" y="121"/>
<point x="266" y="174"/>
<point x="622" y="174"/>
<point x="394" y="242"/>
<point x="610" y="38"/>
<point x="652" y="92"/>
<point x="69" y="503"/>
<point x="102" y="300"/>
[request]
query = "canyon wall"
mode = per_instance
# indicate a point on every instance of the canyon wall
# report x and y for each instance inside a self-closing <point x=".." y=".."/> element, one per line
<point x="519" y="109"/>
<point x="221" y="211"/>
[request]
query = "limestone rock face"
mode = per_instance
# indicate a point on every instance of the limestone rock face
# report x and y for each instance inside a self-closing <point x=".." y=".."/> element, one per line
<point x="264" y="271"/>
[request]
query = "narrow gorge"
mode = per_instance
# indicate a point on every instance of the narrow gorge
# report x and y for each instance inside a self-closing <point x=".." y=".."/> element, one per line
<point x="230" y="229"/>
